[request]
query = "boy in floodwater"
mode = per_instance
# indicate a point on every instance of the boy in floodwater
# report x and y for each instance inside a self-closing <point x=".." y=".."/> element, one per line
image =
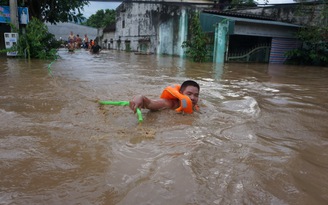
<point x="95" y="49"/>
<point x="182" y="98"/>
<point x="71" y="41"/>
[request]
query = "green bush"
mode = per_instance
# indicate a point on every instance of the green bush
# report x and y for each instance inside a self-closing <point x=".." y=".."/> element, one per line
<point x="314" y="50"/>
<point x="37" y="42"/>
<point x="196" y="46"/>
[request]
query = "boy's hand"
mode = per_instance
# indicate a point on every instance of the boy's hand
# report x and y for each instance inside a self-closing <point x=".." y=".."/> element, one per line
<point x="136" y="102"/>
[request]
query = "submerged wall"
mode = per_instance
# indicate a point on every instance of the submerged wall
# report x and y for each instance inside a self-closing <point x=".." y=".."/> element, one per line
<point x="160" y="27"/>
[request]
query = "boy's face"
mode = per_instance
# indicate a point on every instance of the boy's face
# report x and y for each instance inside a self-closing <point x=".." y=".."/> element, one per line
<point x="192" y="92"/>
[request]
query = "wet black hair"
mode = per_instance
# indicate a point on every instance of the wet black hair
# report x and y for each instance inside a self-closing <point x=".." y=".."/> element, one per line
<point x="189" y="83"/>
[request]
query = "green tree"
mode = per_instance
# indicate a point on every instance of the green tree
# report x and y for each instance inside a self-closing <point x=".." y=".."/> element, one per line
<point x="53" y="11"/>
<point x="101" y="19"/>
<point x="315" y="47"/>
<point x="196" y="45"/>
<point x="37" y="42"/>
<point x="315" y="41"/>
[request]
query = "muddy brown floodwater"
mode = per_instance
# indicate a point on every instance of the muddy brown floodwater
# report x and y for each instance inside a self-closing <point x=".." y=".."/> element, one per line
<point x="261" y="136"/>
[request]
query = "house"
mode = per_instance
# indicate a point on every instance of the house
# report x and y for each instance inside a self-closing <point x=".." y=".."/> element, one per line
<point x="162" y="27"/>
<point x="106" y="36"/>
<point x="248" y="38"/>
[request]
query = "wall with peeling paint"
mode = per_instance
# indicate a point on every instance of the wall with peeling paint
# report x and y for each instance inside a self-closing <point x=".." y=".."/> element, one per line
<point x="162" y="27"/>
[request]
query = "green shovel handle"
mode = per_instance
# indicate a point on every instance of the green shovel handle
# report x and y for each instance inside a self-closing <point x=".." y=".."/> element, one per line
<point x="118" y="103"/>
<point x="122" y="103"/>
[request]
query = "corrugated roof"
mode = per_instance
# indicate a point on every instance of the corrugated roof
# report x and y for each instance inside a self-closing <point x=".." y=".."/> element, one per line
<point x="278" y="23"/>
<point x="251" y="18"/>
<point x="235" y="14"/>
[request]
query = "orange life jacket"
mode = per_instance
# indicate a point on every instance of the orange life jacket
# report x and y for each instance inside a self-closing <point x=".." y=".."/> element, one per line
<point x="172" y="93"/>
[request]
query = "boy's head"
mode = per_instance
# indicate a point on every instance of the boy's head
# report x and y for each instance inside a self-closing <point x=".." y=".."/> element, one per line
<point x="189" y="83"/>
<point x="191" y="89"/>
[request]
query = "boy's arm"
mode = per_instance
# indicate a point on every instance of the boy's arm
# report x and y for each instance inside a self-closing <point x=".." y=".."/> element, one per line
<point x="141" y="101"/>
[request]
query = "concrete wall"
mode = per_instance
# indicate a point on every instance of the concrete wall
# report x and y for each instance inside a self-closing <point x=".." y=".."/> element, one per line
<point x="301" y="14"/>
<point x="136" y="21"/>
<point x="106" y="36"/>
<point x="160" y="26"/>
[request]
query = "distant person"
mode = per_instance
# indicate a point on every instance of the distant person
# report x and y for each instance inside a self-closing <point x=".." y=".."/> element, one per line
<point x="91" y="43"/>
<point x="71" y="41"/>
<point x="95" y="49"/>
<point x="71" y="47"/>
<point x="86" y="41"/>
<point x="78" y="41"/>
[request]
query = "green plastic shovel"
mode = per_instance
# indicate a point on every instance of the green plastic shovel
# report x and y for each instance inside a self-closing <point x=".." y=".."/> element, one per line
<point x="122" y="103"/>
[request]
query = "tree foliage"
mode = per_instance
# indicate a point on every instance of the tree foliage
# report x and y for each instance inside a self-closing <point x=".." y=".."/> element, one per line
<point x="315" y="42"/>
<point x="54" y="11"/>
<point x="315" y="47"/>
<point x="37" y="42"/>
<point x="196" y="45"/>
<point x="101" y="18"/>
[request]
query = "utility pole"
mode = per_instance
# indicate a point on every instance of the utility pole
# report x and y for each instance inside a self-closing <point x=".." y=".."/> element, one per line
<point x="14" y="14"/>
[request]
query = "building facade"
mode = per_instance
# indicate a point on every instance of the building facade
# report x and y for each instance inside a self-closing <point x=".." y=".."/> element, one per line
<point x="248" y="35"/>
<point x="153" y="28"/>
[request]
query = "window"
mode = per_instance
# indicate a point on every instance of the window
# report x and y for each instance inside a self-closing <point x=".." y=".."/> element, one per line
<point x="123" y="21"/>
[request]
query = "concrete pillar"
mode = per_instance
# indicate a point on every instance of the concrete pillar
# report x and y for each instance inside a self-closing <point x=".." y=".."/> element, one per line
<point x="220" y="42"/>
<point x="14" y="14"/>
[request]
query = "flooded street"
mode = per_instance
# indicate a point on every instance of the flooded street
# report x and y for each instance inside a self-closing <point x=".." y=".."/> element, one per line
<point x="261" y="136"/>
